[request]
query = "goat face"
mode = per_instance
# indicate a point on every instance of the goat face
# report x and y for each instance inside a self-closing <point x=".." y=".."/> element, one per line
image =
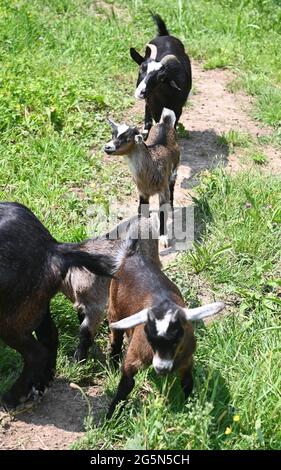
<point x="152" y="74"/>
<point x="167" y="335"/>
<point x="123" y="139"/>
<point x="168" y="330"/>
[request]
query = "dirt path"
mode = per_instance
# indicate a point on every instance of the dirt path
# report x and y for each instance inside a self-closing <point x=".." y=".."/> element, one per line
<point x="58" y="420"/>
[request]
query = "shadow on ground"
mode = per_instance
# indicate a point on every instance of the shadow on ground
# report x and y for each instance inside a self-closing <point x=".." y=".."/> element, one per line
<point x="200" y="151"/>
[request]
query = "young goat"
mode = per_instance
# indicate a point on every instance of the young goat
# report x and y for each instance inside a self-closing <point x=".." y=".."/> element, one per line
<point x="164" y="79"/>
<point x="88" y="292"/>
<point x="160" y="332"/>
<point x="32" y="267"/>
<point x="153" y="164"/>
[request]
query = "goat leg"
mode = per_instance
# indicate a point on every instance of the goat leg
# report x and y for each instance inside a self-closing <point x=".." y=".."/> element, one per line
<point x="143" y="208"/>
<point x="148" y="121"/>
<point x="172" y="183"/>
<point x="186" y="381"/>
<point x="116" y="342"/>
<point x="85" y="339"/>
<point x="32" y="380"/>
<point x="89" y="323"/>
<point x="47" y="335"/>
<point x="164" y="207"/>
<point x="125" y="386"/>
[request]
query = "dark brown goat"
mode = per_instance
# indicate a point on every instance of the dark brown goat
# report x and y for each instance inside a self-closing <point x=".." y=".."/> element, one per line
<point x="32" y="267"/>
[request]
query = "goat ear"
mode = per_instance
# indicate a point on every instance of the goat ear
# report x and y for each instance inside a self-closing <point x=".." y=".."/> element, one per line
<point x="173" y="84"/>
<point x="199" y="313"/>
<point x="113" y="125"/>
<point x="136" y="56"/>
<point x="139" y="139"/>
<point x="130" y="322"/>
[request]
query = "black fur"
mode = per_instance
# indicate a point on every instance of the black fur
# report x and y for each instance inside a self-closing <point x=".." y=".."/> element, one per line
<point x="32" y="267"/>
<point x="169" y="86"/>
<point x="162" y="30"/>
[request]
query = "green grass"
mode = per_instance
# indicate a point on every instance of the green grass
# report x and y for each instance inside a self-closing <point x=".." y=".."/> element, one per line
<point x="237" y="401"/>
<point x="234" y="138"/>
<point x="258" y="157"/>
<point x="64" y="68"/>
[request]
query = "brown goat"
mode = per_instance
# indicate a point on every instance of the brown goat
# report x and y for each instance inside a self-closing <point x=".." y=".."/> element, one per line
<point x="160" y="332"/>
<point x="153" y="164"/>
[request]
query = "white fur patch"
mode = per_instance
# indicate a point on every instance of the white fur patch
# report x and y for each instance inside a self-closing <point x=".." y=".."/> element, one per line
<point x="110" y="146"/>
<point x="121" y="129"/>
<point x="162" y="364"/>
<point x="153" y="66"/>
<point x="170" y="114"/>
<point x="140" y="90"/>
<point x="153" y="49"/>
<point x="164" y="241"/>
<point x="163" y="324"/>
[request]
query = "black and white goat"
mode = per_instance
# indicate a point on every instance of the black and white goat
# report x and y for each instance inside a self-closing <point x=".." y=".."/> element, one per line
<point x="153" y="163"/>
<point x="33" y="266"/>
<point x="164" y="79"/>
<point x="146" y="304"/>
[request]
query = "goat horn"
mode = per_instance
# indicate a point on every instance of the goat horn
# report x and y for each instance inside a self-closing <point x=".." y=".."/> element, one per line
<point x="199" y="313"/>
<point x="113" y="124"/>
<point x="169" y="58"/>
<point x="153" y="51"/>
<point x="131" y="321"/>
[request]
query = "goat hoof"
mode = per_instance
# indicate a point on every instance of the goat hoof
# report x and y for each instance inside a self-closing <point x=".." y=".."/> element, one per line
<point x="164" y="241"/>
<point x="36" y="394"/>
<point x="80" y="357"/>
<point x="9" y="401"/>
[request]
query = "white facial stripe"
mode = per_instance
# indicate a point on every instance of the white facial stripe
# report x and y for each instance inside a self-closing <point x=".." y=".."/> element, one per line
<point x="162" y="364"/>
<point x="153" y="49"/>
<point x="140" y="89"/>
<point x="121" y="129"/>
<point x="163" y="325"/>
<point x="153" y="66"/>
<point x="110" y="145"/>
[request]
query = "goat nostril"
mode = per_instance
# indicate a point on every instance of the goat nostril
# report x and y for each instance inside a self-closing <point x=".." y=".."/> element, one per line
<point x="108" y="148"/>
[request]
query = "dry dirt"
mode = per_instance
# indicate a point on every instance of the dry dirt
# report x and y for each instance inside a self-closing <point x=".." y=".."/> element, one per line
<point x="58" y="420"/>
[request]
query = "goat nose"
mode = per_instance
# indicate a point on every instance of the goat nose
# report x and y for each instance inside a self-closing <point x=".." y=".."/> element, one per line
<point x="162" y="366"/>
<point x="109" y="148"/>
<point x="162" y="370"/>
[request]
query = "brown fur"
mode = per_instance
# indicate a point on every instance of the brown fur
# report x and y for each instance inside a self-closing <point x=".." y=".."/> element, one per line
<point x="152" y="163"/>
<point x="141" y="284"/>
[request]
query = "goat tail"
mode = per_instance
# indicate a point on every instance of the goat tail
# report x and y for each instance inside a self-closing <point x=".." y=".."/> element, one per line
<point x="71" y="255"/>
<point x="161" y="26"/>
<point x="141" y="237"/>
<point x="168" y="117"/>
